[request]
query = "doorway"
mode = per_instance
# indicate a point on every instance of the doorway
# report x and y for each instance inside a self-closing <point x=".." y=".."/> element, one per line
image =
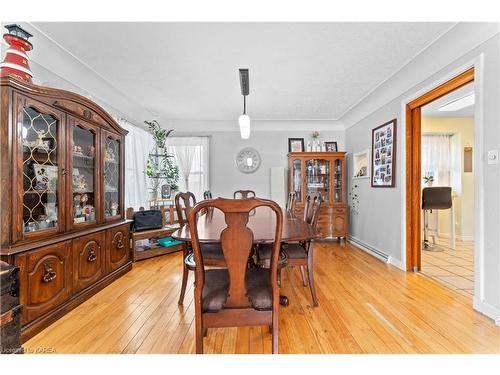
<point x="447" y="126"/>
<point x="414" y="238"/>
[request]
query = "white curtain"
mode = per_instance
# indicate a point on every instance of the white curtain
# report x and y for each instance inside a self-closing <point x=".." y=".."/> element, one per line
<point x="138" y="145"/>
<point x="437" y="158"/>
<point x="191" y="155"/>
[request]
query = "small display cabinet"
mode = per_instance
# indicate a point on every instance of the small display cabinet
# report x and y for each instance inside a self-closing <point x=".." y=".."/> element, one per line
<point x="315" y="173"/>
<point x="62" y="222"/>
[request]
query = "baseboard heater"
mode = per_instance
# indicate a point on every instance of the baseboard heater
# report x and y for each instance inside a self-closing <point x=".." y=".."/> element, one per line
<point x="370" y="249"/>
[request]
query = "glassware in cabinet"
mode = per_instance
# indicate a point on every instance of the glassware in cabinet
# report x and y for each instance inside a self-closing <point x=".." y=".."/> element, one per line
<point x="83" y="181"/>
<point x="41" y="171"/>
<point x="112" y="178"/>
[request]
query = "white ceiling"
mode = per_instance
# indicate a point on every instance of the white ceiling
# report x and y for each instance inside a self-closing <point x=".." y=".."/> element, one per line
<point x="431" y="109"/>
<point x="189" y="71"/>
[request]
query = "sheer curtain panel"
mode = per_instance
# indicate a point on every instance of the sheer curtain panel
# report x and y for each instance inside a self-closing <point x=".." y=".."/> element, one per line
<point x="138" y="144"/>
<point x="191" y="155"/>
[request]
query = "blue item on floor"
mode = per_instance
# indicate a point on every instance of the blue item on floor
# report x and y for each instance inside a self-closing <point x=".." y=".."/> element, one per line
<point x="168" y="242"/>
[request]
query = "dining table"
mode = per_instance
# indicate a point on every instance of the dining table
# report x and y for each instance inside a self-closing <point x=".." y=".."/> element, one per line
<point x="262" y="222"/>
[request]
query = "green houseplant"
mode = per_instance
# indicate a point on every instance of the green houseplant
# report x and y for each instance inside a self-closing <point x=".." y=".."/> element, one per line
<point x="428" y="180"/>
<point x="160" y="167"/>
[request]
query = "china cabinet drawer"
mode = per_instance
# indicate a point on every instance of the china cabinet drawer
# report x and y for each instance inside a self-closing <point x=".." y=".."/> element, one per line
<point x="46" y="279"/>
<point x="118" y="244"/>
<point x="88" y="260"/>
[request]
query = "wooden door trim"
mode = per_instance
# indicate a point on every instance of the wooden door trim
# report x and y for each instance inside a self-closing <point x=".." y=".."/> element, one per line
<point x="414" y="160"/>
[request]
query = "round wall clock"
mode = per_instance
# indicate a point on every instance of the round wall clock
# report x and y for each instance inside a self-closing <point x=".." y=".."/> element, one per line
<point x="248" y="160"/>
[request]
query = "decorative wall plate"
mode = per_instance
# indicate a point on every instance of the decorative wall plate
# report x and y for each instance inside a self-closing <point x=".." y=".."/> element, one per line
<point x="248" y="160"/>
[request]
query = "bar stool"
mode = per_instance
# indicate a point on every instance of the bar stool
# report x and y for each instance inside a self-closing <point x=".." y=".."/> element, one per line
<point x="436" y="198"/>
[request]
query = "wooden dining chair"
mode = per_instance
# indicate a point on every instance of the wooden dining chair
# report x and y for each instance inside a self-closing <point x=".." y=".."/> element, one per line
<point x="290" y="203"/>
<point x="298" y="253"/>
<point x="184" y="203"/>
<point x="242" y="194"/>
<point x="238" y="295"/>
<point x="207" y="194"/>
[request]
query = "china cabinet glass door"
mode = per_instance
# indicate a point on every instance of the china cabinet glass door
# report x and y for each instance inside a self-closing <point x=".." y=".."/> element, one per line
<point x="296" y="182"/>
<point x="41" y="170"/>
<point x="84" y="174"/>
<point x="112" y="178"/>
<point x="338" y="195"/>
<point x="318" y="178"/>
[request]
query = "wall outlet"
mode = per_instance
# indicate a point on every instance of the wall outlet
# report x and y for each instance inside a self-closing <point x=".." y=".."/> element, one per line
<point x="493" y="157"/>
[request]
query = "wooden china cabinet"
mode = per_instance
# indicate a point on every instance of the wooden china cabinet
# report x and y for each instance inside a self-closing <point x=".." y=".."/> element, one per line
<point x="62" y="215"/>
<point x="313" y="173"/>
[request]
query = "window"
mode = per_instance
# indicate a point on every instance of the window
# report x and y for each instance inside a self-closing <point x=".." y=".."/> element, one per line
<point x="440" y="160"/>
<point x="192" y="157"/>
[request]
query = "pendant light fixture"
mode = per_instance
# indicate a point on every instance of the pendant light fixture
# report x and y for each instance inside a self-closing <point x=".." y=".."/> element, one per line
<point x="244" y="119"/>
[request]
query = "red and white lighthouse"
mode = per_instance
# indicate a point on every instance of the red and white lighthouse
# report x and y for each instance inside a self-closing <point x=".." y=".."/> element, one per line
<point x="15" y="62"/>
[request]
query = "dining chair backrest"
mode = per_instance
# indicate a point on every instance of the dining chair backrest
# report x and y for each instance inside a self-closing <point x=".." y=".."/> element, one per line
<point x="184" y="203"/>
<point x="242" y="194"/>
<point x="312" y="208"/>
<point x="290" y="204"/>
<point x="237" y="242"/>
<point x="207" y="194"/>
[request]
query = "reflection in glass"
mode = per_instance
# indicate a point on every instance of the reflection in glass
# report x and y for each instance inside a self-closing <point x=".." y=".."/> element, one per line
<point x="338" y="181"/>
<point x="83" y="175"/>
<point x="297" y="179"/>
<point x="318" y="178"/>
<point x="111" y="178"/>
<point x="40" y="170"/>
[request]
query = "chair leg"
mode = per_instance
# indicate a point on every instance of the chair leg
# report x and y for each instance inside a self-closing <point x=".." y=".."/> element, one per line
<point x="303" y="274"/>
<point x="274" y="329"/>
<point x="199" y="337"/>
<point x="185" y="274"/>
<point x="310" y="275"/>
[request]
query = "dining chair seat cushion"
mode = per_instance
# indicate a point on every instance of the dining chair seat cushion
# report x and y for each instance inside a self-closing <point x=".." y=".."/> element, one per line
<point x="216" y="289"/>
<point x="295" y="251"/>
<point x="212" y="251"/>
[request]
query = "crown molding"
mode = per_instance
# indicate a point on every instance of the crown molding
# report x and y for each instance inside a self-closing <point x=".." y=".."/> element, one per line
<point x="459" y="40"/>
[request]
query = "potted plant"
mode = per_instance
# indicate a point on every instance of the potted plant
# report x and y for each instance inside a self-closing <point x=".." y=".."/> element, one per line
<point x="160" y="167"/>
<point x="428" y="180"/>
<point x="159" y="135"/>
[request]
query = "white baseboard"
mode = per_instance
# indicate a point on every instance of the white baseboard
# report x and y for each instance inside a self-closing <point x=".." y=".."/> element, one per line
<point x="486" y="309"/>
<point x="369" y="249"/>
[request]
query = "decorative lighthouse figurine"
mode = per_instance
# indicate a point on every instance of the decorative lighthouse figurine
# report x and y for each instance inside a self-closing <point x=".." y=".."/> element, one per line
<point x="16" y="60"/>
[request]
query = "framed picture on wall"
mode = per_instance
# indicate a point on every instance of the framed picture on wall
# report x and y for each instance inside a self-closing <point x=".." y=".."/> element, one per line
<point x="295" y="144"/>
<point x="331" y="146"/>
<point x="383" y="163"/>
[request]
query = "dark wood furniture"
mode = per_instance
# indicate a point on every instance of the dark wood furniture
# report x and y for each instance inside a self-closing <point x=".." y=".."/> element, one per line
<point x="207" y="194"/>
<point x="152" y="235"/>
<point x="213" y="256"/>
<point x="311" y="173"/>
<point x="299" y="253"/>
<point x="62" y="222"/>
<point x="10" y="310"/>
<point x="290" y="203"/>
<point x="237" y="295"/>
<point x="242" y="194"/>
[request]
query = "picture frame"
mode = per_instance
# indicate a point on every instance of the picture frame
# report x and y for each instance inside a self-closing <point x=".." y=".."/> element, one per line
<point x="295" y="144"/>
<point x="331" y="147"/>
<point x="383" y="156"/>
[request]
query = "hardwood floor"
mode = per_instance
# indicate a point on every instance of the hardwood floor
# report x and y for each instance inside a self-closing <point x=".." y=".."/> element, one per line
<point x="365" y="306"/>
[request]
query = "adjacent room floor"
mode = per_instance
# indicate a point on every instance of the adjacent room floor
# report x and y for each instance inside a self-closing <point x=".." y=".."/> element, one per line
<point x="366" y="306"/>
<point x="454" y="268"/>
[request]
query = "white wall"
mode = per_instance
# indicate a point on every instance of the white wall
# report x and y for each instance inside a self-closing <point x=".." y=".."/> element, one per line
<point x="460" y="47"/>
<point x="272" y="147"/>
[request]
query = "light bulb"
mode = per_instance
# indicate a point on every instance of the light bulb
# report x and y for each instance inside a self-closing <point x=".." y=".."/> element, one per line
<point x="244" y="121"/>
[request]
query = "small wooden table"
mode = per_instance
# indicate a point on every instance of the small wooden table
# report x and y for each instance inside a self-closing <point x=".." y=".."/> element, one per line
<point x="262" y="223"/>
